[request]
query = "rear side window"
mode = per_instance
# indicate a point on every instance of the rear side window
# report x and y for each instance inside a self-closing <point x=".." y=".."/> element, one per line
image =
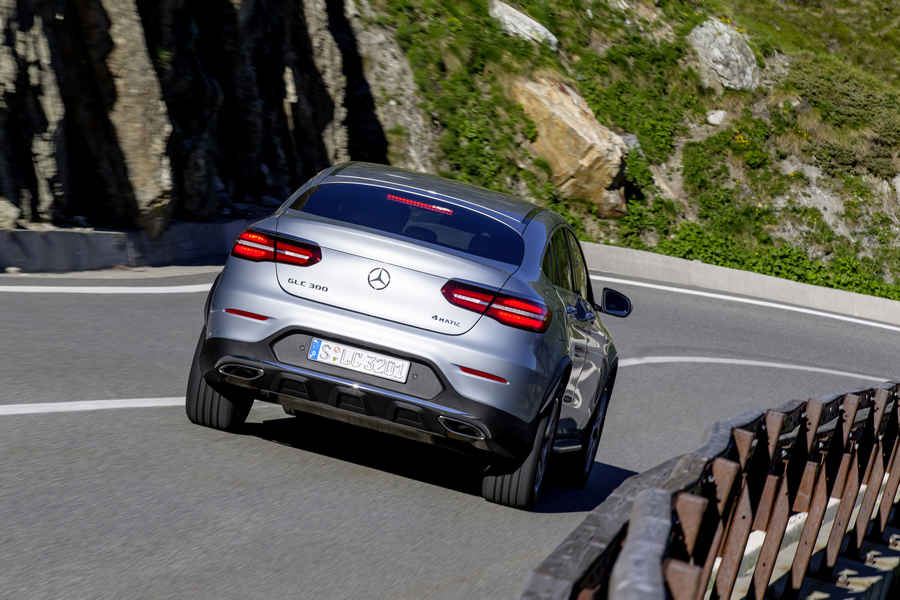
<point x="549" y="264"/>
<point x="579" y="269"/>
<point x="563" y="271"/>
<point x="416" y="217"/>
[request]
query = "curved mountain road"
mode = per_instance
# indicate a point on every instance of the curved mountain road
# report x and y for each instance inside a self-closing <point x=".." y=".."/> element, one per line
<point x="138" y="503"/>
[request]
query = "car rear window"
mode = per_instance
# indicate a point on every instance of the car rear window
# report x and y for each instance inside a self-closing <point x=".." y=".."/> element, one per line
<point x="415" y="217"/>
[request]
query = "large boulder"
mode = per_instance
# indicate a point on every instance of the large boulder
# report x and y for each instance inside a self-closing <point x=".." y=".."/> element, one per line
<point x="586" y="158"/>
<point x="521" y="25"/>
<point x="726" y="59"/>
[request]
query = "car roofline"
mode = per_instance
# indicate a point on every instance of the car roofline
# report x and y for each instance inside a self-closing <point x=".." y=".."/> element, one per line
<point x="501" y="217"/>
<point x="507" y="208"/>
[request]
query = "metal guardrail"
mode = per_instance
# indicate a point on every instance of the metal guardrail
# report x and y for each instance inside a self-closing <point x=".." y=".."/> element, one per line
<point x="783" y="503"/>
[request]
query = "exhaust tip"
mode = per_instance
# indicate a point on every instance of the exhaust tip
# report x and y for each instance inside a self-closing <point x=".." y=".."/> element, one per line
<point x="242" y="372"/>
<point x="461" y="429"/>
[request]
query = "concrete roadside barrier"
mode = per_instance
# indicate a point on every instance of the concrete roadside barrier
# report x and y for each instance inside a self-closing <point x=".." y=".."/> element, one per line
<point x="628" y="263"/>
<point x="65" y="250"/>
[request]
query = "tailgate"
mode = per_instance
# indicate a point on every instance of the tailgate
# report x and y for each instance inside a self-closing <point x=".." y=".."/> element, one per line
<point x="384" y="276"/>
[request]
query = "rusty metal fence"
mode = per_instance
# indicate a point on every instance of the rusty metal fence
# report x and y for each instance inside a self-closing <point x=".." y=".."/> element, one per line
<point x="794" y="502"/>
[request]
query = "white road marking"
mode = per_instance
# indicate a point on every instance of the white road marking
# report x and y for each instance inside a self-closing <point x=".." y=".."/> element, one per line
<point x="106" y="289"/>
<point x="79" y="406"/>
<point x="711" y="360"/>
<point x="86" y="405"/>
<point x="763" y="303"/>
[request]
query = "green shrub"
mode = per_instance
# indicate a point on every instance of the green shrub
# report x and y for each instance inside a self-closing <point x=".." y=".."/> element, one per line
<point x="846" y="95"/>
<point x="640" y="86"/>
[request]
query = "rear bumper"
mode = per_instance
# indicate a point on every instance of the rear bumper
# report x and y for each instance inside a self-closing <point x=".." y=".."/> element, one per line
<point x="438" y="416"/>
<point x="526" y="360"/>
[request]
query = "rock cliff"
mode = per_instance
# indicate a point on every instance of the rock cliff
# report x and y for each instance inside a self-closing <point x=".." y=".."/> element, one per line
<point x="761" y="135"/>
<point x="128" y="113"/>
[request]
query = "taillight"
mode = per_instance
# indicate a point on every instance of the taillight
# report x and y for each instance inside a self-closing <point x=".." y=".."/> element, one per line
<point x="297" y="253"/>
<point x="467" y="296"/>
<point x="509" y="310"/>
<point x="254" y="246"/>
<point x="523" y="314"/>
<point x="258" y="247"/>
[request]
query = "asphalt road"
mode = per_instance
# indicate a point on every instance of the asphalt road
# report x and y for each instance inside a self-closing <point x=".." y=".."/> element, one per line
<point x="139" y="503"/>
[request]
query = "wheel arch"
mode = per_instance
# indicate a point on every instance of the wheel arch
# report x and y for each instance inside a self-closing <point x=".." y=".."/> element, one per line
<point x="561" y="374"/>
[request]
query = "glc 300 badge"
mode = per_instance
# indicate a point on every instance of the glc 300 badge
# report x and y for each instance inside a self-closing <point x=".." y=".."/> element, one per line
<point x="379" y="278"/>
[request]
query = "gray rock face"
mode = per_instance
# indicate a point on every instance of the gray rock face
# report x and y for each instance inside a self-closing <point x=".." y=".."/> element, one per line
<point x="32" y="144"/>
<point x="369" y="81"/>
<point x="631" y="141"/>
<point x="897" y="187"/>
<point x="328" y="62"/>
<point x="716" y="117"/>
<point x="138" y="117"/>
<point x="818" y="193"/>
<point x="725" y="58"/>
<point x="9" y="214"/>
<point x="79" y="77"/>
<point x="521" y="25"/>
<point x="410" y="137"/>
<point x="126" y="113"/>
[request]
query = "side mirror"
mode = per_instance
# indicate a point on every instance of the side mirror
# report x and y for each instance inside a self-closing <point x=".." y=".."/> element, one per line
<point x="615" y="303"/>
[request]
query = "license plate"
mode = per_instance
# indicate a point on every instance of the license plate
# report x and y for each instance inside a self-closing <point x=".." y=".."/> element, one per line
<point x="357" y="359"/>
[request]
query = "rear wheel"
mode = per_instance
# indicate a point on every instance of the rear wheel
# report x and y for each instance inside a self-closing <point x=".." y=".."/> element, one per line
<point x="205" y="406"/>
<point x="521" y="488"/>
<point x="575" y="469"/>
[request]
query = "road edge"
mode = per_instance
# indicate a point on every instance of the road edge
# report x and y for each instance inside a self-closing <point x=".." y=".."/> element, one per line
<point x="639" y="264"/>
<point x="191" y="243"/>
<point x="60" y="250"/>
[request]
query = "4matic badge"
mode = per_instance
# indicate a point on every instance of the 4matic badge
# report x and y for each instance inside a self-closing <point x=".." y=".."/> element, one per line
<point x="440" y="319"/>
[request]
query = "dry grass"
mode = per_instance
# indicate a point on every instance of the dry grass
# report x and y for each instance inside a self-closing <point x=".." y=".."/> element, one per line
<point x="790" y="143"/>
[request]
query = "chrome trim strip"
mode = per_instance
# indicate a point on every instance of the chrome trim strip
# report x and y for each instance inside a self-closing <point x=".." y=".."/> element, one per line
<point x="566" y="446"/>
<point x="255" y="245"/>
<point x="223" y="369"/>
<point x="444" y="420"/>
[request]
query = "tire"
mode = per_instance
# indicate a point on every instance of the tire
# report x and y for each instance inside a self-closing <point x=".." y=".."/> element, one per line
<point x="522" y="487"/>
<point x="205" y="406"/>
<point x="574" y="469"/>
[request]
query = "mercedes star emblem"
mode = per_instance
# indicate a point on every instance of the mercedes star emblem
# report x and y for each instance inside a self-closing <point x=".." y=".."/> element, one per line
<point x="379" y="278"/>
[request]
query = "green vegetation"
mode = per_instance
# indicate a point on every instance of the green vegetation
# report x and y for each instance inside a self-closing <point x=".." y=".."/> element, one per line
<point x="788" y="187"/>
<point x="458" y="55"/>
<point x="859" y="112"/>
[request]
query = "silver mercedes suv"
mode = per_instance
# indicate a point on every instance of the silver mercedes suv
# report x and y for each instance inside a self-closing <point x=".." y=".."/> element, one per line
<point x="422" y="307"/>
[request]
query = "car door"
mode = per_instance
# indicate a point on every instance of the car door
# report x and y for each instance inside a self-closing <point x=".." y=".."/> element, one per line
<point x="585" y="319"/>
<point x="564" y="284"/>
